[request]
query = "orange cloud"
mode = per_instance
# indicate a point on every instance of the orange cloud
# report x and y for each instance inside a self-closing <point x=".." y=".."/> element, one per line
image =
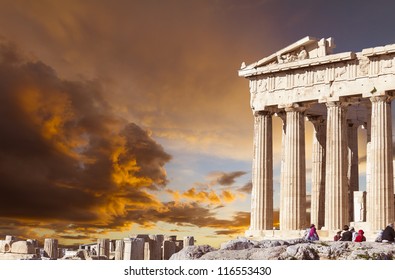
<point x="69" y="164"/>
<point x="228" y="196"/>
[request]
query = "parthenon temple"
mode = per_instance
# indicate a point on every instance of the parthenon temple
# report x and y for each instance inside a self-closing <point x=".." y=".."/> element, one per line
<point x="337" y="93"/>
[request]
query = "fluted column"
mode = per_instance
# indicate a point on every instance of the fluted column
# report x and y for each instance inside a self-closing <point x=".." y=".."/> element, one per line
<point x="51" y="248"/>
<point x="262" y="175"/>
<point x="103" y="245"/>
<point x="318" y="171"/>
<point x="293" y="191"/>
<point x="119" y="248"/>
<point x="368" y="157"/>
<point x="336" y="189"/>
<point x="353" y="169"/>
<point x="381" y="195"/>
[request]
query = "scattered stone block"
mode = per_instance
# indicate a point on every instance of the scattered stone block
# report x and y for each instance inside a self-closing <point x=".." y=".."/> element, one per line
<point x="189" y="241"/>
<point x="5" y="246"/>
<point x="51" y="248"/>
<point x="103" y="247"/>
<point x="169" y="248"/>
<point x="22" y="247"/>
<point x="134" y="249"/>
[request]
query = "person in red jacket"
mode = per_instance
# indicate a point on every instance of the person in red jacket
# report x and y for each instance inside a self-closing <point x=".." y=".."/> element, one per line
<point x="360" y="237"/>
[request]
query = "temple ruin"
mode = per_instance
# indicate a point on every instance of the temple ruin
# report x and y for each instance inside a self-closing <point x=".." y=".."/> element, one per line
<point x="337" y="93"/>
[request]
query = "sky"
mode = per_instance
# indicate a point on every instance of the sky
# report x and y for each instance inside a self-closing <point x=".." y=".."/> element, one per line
<point x="127" y="117"/>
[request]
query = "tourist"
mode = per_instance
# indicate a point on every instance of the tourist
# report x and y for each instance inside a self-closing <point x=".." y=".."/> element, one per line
<point x="379" y="237"/>
<point x="337" y="236"/>
<point x="312" y="235"/>
<point x="360" y="237"/>
<point x="389" y="234"/>
<point x="346" y="234"/>
<point x="354" y="233"/>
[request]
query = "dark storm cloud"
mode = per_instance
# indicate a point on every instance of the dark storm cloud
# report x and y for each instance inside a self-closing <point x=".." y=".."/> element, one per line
<point x="150" y="156"/>
<point x="64" y="155"/>
<point x="246" y="188"/>
<point x="227" y="179"/>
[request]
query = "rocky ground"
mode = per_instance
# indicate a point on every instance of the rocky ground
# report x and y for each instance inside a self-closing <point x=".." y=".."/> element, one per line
<point x="296" y="249"/>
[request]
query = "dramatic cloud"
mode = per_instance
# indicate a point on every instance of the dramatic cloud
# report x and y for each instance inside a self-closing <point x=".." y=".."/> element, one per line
<point x="70" y="167"/>
<point x="65" y="157"/>
<point x="218" y="190"/>
<point x="227" y="179"/>
<point x="247" y="188"/>
<point x="103" y="82"/>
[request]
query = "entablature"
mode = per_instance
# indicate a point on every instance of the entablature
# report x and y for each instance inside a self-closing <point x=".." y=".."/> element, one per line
<point x="324" y="78"/>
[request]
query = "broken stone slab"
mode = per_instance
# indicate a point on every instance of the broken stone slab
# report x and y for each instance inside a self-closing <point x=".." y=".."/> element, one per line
<point x="23" y="247"/>
<point x="292" y="250"/>
<point x="189" y="241"/>
<point x="192" y="252"/>
<point x="10" y="238"/>
<point x="238" y="244"/>
<point x="14" y="256"/>
<point x="80" y="254"/>
<point x="5" y="247"/>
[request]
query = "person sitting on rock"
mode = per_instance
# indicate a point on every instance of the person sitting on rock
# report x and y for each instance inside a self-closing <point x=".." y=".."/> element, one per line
<point x="346" y="234"/>
<point x="338" y="236"/>
<point x="312" y="236"/>
<point x="354" y="233"/>
<point x="360" y="237"/>
<point x="379" y="237"/>
<point x="389" y="234"/>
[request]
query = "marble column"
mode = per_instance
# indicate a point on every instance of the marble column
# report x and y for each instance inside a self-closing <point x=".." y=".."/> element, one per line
<point x="336" y="184"/>
<point x="169" y="248"/>
<point x="381" y="191"/>
<point x="51" y="248"/>
<point x="353" y="170"/>
<point x="262" y="175"/>
<point x="103" y="245"/>
<point x="318" y="171"/>
<point x="293" y="191"/>
<point x="133" y="249"/>
<point x="119" y="248"/>
<point x="159" y="238"/>
<point x="368" y="127"/>
<point x="282" y="115"/>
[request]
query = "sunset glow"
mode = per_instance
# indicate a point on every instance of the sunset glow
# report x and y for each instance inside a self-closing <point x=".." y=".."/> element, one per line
<point x="127" y="117"/>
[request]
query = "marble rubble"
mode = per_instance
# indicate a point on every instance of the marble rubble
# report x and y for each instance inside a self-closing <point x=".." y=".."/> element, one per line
<point x="338" y="93"/>
<point x="293" y="249"/>
<point x="139" y="247"/>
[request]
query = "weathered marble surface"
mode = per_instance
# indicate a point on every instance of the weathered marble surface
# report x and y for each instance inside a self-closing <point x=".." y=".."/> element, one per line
<point x="296" y="249"/>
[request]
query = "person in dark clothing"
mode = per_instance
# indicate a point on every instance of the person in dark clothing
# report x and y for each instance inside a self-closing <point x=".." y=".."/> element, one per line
<point x="346" y="234"/>
<point x="338" y="236"/>
<point x="389" y="233"/>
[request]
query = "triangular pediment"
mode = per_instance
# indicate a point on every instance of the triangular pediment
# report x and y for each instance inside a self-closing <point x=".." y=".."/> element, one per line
<point x="305" y="48"/>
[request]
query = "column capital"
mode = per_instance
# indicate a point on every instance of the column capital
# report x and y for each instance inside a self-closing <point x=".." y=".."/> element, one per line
<point x="294" y="107"/>
<point x="263" y="113"/>
<point x="381" y="98"/>
<point x="331" y="104"/>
